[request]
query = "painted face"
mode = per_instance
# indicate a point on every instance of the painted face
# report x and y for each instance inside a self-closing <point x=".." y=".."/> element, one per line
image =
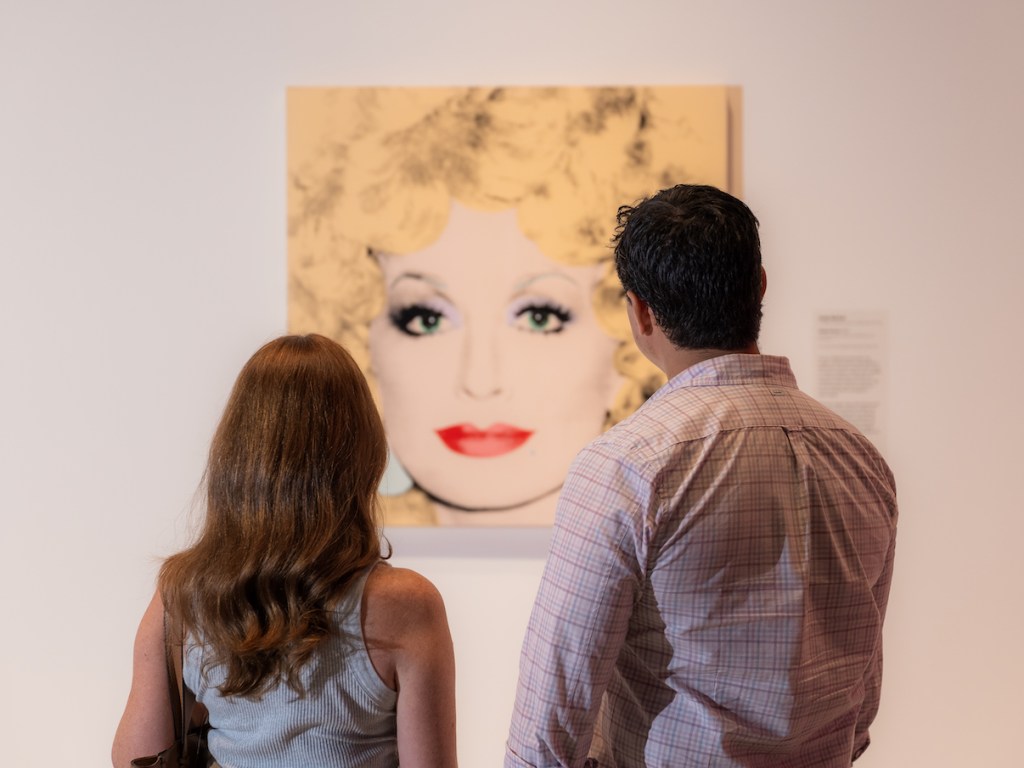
<point x="492" y="369"/>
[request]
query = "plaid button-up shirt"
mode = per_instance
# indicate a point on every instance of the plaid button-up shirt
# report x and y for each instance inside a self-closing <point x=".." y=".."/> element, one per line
<point x="716" y="585"/>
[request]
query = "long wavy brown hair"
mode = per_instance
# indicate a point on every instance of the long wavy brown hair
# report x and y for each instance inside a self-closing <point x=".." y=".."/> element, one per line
<point x="291" y="513"/>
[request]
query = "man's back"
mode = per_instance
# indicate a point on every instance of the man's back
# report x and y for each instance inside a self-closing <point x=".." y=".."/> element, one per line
<point x="720" y="569"/>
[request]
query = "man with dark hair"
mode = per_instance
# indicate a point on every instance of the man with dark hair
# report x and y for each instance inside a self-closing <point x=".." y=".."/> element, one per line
<point x="721" y="560"/>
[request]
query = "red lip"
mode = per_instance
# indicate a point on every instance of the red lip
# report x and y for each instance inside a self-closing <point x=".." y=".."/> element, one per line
<point x="482" y="443"/>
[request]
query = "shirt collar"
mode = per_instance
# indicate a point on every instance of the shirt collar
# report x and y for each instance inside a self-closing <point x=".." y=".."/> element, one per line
<point x="731" y="370"/>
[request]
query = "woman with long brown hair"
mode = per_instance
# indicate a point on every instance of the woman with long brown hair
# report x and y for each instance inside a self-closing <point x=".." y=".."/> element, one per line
<point x="302" y="645"/>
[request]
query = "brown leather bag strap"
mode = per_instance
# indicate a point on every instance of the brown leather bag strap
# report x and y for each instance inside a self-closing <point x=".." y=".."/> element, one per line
<point x="183" y="700"/>
<point x="173" y="653"/>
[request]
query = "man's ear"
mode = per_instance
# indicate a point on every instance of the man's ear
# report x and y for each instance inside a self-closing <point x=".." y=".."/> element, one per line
<point x="764" y="282"/>
<point x="641" y="313"/>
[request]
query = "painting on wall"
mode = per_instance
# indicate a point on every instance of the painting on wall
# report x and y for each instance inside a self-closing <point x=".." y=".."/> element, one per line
<point x="457" y="242"/>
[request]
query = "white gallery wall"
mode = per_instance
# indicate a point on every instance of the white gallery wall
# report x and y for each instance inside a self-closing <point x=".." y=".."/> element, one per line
<point x="142" y="260"/>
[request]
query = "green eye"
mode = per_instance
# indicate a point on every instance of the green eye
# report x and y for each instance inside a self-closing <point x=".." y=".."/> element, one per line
<point x="542" y="318"/>
<point x="419" y="320"/>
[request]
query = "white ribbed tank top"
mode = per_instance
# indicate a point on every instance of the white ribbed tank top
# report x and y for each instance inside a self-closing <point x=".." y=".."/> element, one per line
<point x="346" y="718"/>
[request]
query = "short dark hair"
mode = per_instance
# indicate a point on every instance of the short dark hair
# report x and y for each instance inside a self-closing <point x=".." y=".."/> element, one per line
<point x="693" y="254"/>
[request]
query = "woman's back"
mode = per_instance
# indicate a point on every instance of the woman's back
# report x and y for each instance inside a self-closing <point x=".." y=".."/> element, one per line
<point x="345" y="717"/>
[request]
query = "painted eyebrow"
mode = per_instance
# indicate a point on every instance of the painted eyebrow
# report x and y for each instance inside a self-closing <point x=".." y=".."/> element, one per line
<point x="433" y="282"/>
<point x="526" y="282"/>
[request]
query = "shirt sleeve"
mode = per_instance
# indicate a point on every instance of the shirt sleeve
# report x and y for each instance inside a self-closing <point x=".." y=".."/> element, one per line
<point x="581" y="615"/>
<point x="873" y="675"/>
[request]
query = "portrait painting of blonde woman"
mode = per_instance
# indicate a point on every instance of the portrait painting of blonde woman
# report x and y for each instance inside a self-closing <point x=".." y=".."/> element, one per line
<point x="456" y="241"/>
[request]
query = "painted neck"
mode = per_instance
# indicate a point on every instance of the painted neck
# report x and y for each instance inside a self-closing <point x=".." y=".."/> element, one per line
<point x="538" y="512"/>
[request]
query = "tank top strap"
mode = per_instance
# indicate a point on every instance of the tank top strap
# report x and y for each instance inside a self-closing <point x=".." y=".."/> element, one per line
<point x="349" y="608"/>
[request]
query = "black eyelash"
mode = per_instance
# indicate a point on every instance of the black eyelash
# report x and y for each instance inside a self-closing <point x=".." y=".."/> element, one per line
<point x="402" y="316"/>
<point x="564" y="315"/>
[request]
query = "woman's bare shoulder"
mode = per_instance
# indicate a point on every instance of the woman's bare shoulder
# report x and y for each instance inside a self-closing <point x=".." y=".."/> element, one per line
<point x="400" y="599"/>
<point x="403" y="619"/>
